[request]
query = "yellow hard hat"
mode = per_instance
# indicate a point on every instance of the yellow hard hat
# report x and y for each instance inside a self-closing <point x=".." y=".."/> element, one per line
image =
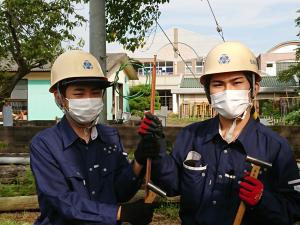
<point x="77" y="66"/>
<point x="230" y="57"/>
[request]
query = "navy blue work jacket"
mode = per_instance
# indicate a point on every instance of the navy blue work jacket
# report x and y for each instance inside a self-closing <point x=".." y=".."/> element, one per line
<point x="205" y="170"/>
<point x="79" y="183"/>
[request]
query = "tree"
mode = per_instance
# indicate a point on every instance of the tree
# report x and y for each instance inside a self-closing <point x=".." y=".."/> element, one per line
<point x="31" y="33"/>
<point x="129" y="21"/>
<point x="288" y="74"/>
<point x="141" y="102"/>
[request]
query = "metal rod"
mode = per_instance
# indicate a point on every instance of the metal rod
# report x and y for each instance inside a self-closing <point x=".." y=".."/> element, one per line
<point x="14" y="160"/>
<point x="152" y="104"/>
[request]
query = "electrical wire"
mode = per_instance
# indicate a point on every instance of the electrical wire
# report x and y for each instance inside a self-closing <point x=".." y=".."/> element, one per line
<point x="176" y="50"/>
<point x="138" y="94"/>
<point x="219" y="28"/>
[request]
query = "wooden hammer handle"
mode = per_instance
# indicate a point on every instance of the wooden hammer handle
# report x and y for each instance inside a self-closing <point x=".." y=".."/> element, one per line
<point x="242" y="208"/>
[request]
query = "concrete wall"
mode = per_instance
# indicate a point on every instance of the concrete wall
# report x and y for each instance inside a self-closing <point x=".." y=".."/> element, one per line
<point x="16" y="139"/>
<point x="41" y="104"/>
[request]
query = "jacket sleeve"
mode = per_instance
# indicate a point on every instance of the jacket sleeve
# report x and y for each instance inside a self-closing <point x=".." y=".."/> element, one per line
<point x="126" y="182"/>
<point x="281" y="205"/>
<point x="54" y="194"/>
<point x="166" y="171"/>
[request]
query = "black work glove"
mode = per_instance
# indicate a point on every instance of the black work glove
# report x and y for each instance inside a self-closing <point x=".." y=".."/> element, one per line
<point x="151" y="125"/>
<point x="137" y="213"/>
<point x="148" y="147"/>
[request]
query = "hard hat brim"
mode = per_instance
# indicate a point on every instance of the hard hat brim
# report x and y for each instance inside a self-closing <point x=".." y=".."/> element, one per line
<point x="205" y="76"/>
<point x="102" y="83"/>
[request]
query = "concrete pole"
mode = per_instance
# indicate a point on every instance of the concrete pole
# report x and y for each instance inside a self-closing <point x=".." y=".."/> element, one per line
<point x="98" y="41"/>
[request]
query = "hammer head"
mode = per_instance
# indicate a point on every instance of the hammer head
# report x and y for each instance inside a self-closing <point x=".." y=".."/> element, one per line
<point x="258" y="162"/>
<point x="156" y="189"/>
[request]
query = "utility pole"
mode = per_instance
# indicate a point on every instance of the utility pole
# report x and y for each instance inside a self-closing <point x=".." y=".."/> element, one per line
<point x="98" y="41"/>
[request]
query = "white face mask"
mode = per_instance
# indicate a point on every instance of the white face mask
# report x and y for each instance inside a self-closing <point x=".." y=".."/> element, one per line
<point x="85" y="110"/>
<point x="231" y="103"/>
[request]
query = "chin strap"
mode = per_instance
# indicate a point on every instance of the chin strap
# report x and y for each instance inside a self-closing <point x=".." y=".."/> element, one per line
<point x="229" y="135"/>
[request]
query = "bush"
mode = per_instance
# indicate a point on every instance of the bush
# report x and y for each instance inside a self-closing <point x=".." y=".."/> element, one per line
<point x="23" y="186"/>
<point x="141" y="102"/>
<point x="293" y="118"/>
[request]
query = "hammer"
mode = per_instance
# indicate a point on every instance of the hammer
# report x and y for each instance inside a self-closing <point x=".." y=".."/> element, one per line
<point x="256" y="166"/>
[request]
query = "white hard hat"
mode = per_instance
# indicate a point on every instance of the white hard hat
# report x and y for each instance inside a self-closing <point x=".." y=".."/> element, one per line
<point x="77" y="66"/>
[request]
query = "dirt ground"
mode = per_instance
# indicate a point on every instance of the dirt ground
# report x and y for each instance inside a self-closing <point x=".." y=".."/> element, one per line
<point x="26" y="218"/>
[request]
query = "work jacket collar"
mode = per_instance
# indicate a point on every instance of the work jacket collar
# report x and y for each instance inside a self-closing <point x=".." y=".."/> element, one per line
<point x="213" y="129"/>
<point x="246" y="137"/>
<point x="68" y="134"/>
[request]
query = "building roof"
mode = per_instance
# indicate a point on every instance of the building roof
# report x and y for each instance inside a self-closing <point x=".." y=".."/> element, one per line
<point x="284" y="44"/>
<point x="268" y="84"/>
<point x="272" y="82"/>
<point x="190" y="82"/>
<point x="198" y="45"/>
<point x="113" y="63"/>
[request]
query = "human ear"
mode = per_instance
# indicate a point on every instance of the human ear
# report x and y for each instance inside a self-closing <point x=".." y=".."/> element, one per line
<point x="256" y="89"/>
<point x="58" y="99"/>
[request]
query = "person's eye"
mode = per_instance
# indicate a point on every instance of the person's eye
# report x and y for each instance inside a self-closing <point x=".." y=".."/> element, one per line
<point x="238" y="82"/>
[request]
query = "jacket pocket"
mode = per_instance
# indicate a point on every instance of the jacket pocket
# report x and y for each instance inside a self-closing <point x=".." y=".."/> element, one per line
<point x="75" y="179"/>
<point x="194" y="173"/>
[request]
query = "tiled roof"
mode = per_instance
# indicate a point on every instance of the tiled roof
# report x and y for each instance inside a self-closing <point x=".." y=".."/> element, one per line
<point x="272" y="82"/>
<point x="266" y="82"/>
<point x="190" y="82"/>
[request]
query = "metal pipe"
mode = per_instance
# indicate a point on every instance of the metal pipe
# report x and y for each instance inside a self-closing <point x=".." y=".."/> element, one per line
<point x="14" y="160"/>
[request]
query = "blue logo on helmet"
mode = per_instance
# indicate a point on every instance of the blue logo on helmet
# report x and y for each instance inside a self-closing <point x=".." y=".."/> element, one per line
<point x="87" y="65"/>
<point x="224" y="59"/>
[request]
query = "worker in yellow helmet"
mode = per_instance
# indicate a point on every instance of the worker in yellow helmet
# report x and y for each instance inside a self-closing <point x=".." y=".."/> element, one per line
<point x="207" y="166"/>
<point x="81" y="171"/>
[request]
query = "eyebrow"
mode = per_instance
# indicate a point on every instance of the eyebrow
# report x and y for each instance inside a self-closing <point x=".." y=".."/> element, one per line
<point x="78" y="89"/>
<point x="233" y="79"/>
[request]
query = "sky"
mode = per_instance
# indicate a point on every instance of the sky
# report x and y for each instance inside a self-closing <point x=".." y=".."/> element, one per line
<point x="260" y="24"/>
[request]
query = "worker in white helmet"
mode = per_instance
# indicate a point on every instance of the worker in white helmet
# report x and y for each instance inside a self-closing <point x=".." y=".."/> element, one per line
<point x="207" y="166"/>
<point x="81" y="172"/>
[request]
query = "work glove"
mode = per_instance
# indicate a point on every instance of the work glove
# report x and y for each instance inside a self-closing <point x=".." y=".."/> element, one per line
<point x="151" y="125"/>
<point x="148" y="147"/>
<point x="251" y="190"/>
<point x="137" y="213"/>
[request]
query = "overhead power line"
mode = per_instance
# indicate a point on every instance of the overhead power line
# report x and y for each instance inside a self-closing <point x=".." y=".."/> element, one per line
<point x="219" y="28"/>
<point x="176" y="50"/>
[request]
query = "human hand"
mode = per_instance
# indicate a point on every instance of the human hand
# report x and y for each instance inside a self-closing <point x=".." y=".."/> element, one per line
<point x="251" y="190"/>
<point x="137" y="213"/>
<point x="151" y="125"/>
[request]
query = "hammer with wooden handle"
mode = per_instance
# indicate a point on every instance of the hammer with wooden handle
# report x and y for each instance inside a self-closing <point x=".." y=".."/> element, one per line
<point x="256" y="165"/>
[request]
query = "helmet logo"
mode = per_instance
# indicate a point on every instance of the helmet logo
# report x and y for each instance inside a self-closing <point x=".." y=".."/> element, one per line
<point x="87" y="65"/>
<point x="224" y="59"/>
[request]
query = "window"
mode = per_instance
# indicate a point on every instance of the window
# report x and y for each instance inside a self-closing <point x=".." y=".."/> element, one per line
<point x="269" y="64"/>
<point x="280" y="66"/>
<point x="165" y="68"/>
<point x="147" y="68"/>
<point x="199" y="67"/>
<point x="140" y="71"/>
<point x="162" y="68"/>
<point x="188" y="68"/>
<point x="166" y="98"/>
